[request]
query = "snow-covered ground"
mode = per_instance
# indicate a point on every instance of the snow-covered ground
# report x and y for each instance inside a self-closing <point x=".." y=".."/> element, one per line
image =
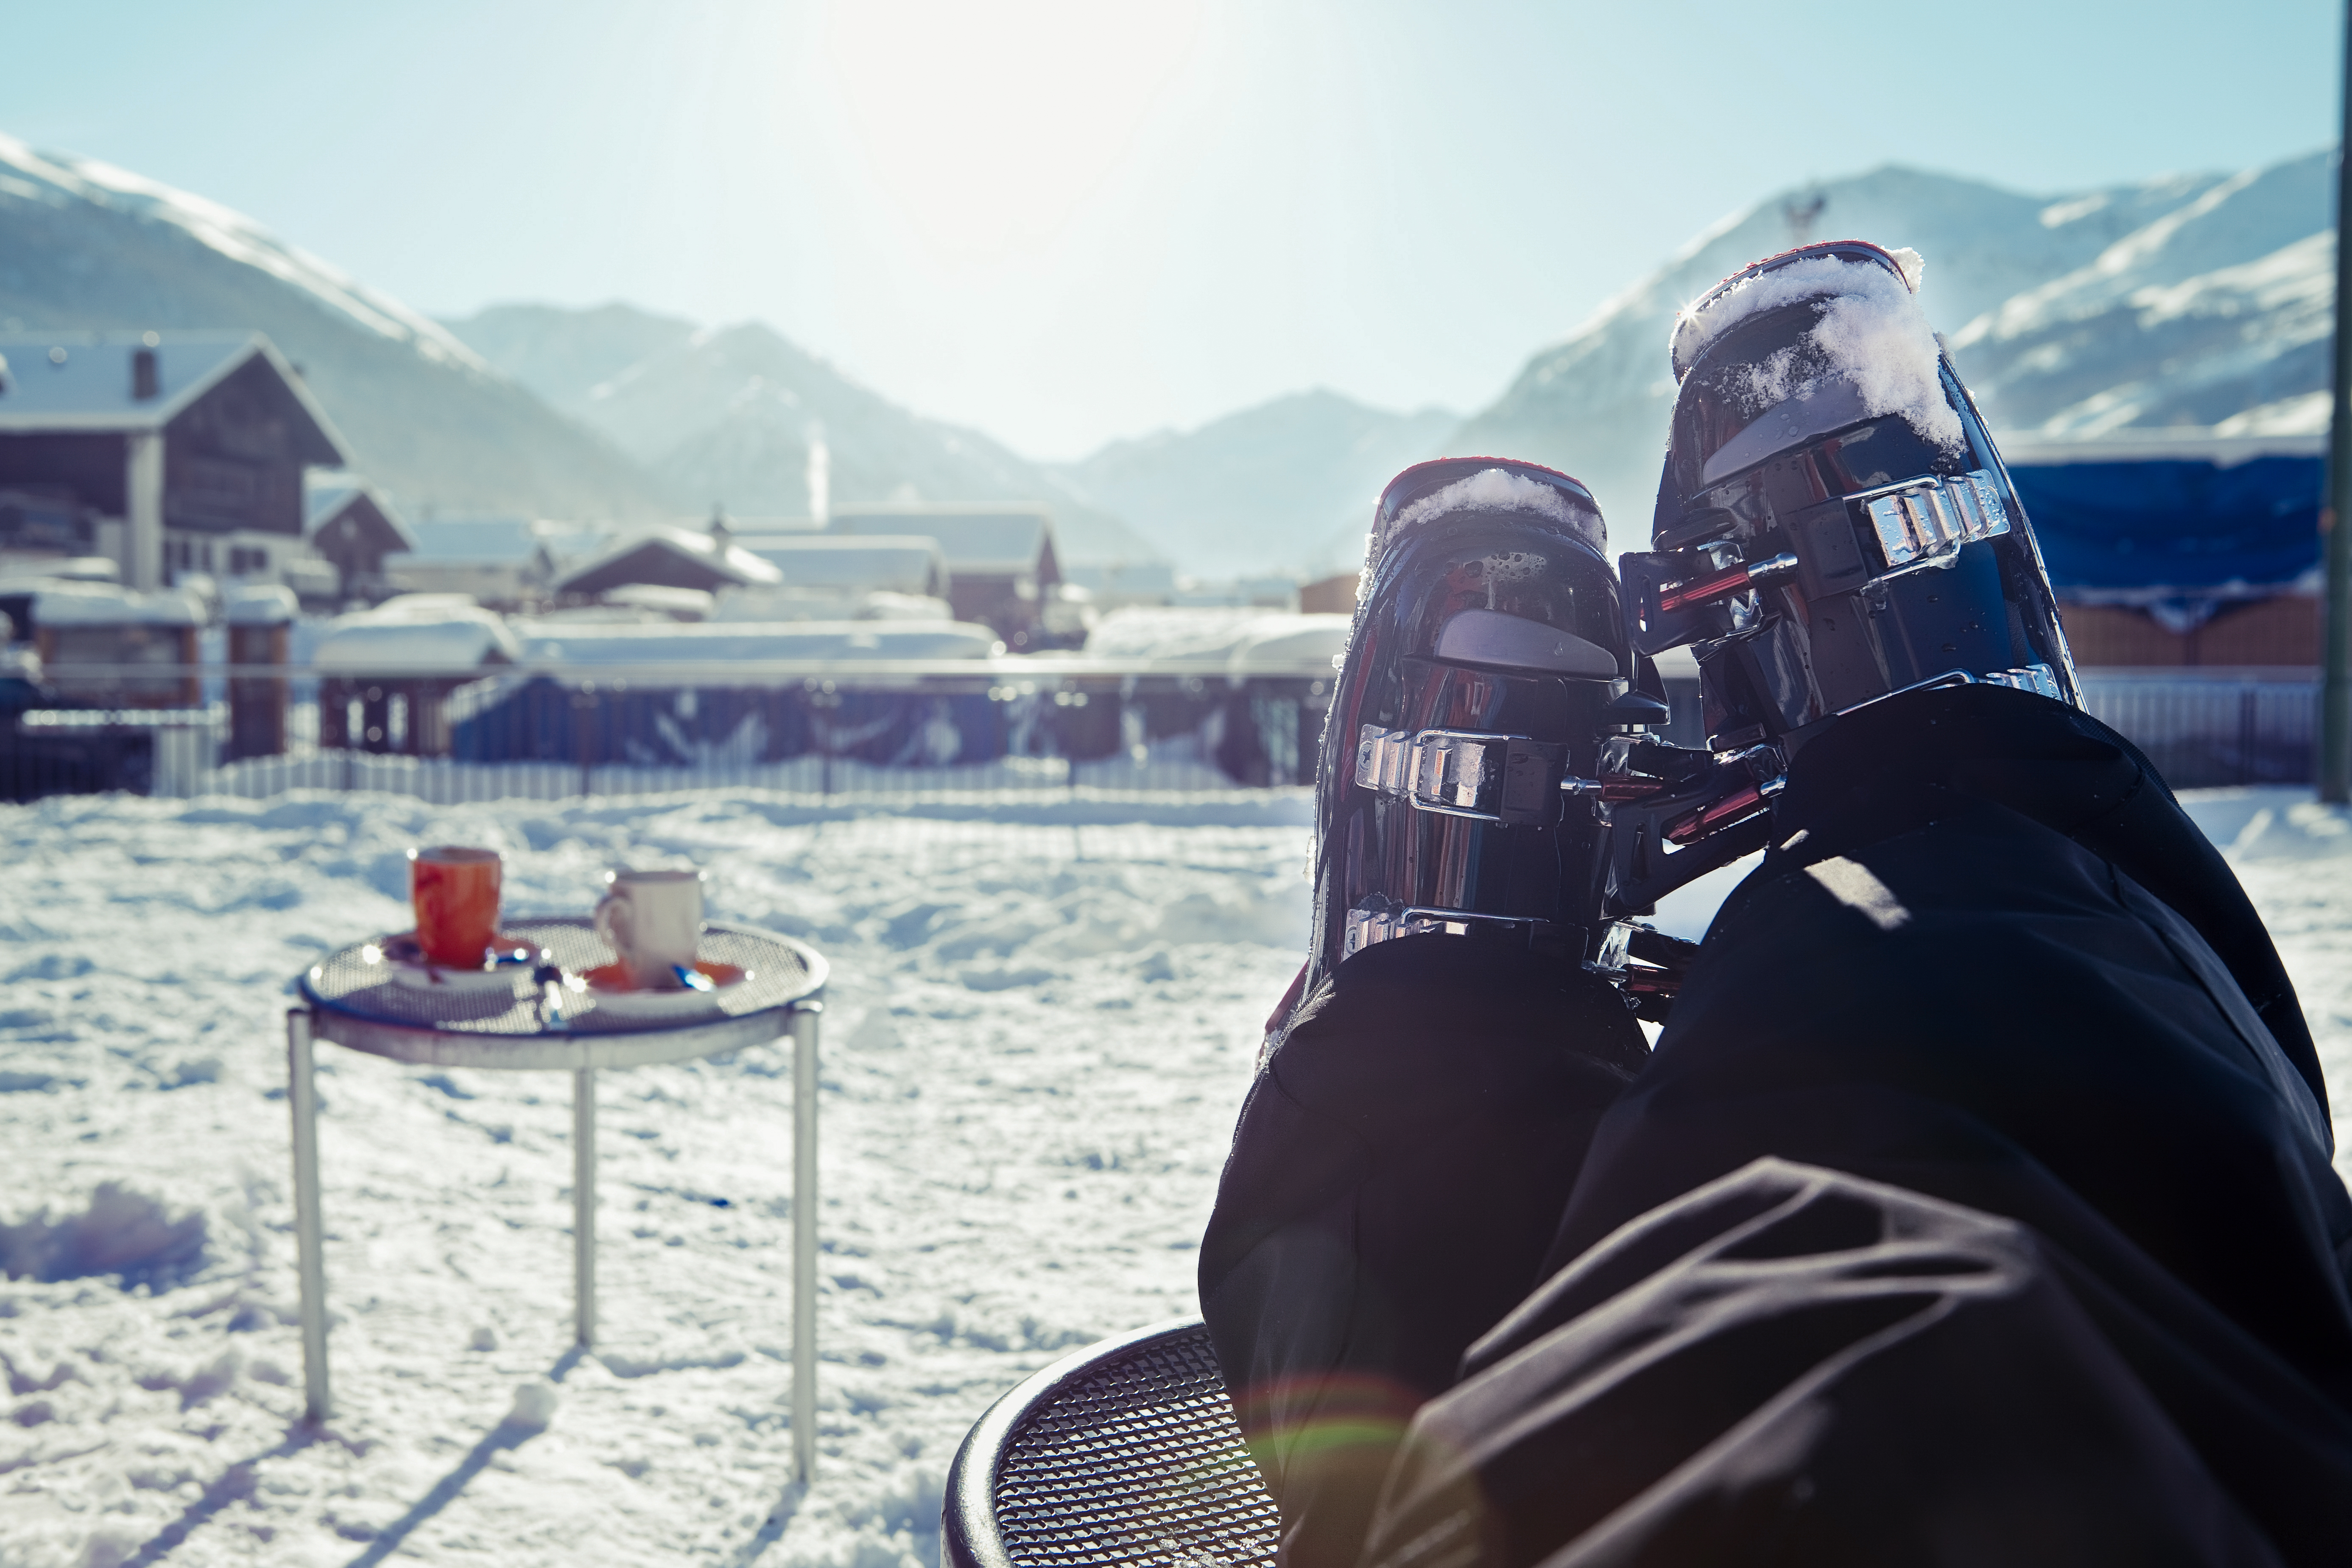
<point x="1037" y="1036"/>
<point x="1041" y="1023"/>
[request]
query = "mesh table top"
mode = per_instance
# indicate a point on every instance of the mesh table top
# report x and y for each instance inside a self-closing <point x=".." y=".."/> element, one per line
<point x="1135" y="1460"/>
<point x="358" y="1000"/>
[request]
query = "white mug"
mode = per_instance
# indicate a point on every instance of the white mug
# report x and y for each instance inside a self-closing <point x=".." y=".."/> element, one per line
<point x="653" y="921"/>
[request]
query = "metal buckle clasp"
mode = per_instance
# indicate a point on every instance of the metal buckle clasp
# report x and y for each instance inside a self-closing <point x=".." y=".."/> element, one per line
<point x="1509" y="780"/>
<point x="1925" y="521"/>
<point x="1376" y="919"/>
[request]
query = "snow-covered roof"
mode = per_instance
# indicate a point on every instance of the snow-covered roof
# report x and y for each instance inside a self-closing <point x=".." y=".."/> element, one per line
<point x="2183" y="445"/>
<point x="260" y="605"/>
<point x="902" y="562"/>
<point x="24" y="575"/>
<point x="1284" y="647"/>
<point x="497" y="539"/>
<point x="882" y="605"/>
<point x="975" y="540"/>
<point x="669" y="557"/>
<point x="325" y="500"/>
<point x="63" y="604"/>
<point x="420" y="633"/>
<point x="759" y="606"/>
<point x="1228" y="640"/>
<point x="1139" y="578"/>
<point x="735" y="642"/>
<point x="677" y="604"/>
<point x="83" y="381"/>
<point x="321" y="502"/>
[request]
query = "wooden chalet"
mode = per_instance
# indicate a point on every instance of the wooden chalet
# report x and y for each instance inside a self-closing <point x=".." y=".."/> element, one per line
<point x="352" y="528"/>
<point x="171" y="453"/>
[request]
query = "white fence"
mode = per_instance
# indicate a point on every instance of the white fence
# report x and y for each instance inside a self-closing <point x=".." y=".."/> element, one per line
<point x="553" y="734"/>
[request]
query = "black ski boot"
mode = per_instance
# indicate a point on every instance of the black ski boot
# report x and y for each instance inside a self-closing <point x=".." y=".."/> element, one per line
<point x="1834" y="526"/>
<point x="1459" y="1029"/>
<point x="1456" y="791"/>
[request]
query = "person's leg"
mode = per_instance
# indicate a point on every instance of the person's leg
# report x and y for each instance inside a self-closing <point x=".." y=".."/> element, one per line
<point x="1398" y="1171"/>
<point x="1795" y="1366"/>
<point x="1401" y="1162"/>
<point x="2059" y="1180"/>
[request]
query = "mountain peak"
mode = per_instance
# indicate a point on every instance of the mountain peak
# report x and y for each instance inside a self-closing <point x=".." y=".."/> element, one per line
<point x="2056" y="308"/>
<point x="61" y="178"/>
<point x="729" y="411"/>
<point x="92" y="247"/>
<point x="1266" y="489"/>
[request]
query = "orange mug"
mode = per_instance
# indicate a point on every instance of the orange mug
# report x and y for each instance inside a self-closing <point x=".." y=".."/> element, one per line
<point x="455" y="891"/>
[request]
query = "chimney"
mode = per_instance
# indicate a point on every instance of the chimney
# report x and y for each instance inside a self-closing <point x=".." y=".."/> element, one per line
<point x="144" y="382"/>
<point x="819" y="478"/>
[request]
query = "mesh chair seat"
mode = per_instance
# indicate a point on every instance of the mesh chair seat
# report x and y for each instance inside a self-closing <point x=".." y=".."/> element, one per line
<point x="1126" y="1453"/>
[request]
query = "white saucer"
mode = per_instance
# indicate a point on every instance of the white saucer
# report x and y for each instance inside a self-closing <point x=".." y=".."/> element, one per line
<point x="614" y="997"/>
<point x="405" y="965"/>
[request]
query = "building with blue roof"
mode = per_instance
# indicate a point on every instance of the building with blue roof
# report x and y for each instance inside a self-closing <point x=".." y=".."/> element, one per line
<point x="2181" y="548"/>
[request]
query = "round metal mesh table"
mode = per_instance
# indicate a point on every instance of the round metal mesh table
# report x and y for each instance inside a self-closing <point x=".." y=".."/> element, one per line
<point x="1125" y="1454"/>
<point x="360" y="1003"/>
<point x="358" y="998"/>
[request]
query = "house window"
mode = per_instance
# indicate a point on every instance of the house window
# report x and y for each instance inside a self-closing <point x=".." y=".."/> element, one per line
<point x="218" y="484"/>
<point x="244" y="562"/>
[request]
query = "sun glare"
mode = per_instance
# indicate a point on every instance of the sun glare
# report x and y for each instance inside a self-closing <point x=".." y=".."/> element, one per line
<point x="988" y="129"/>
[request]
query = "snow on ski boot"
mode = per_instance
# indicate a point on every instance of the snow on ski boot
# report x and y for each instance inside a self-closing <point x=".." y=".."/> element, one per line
<point x="1834" y="527"/>
<point x="1487" y="666"/>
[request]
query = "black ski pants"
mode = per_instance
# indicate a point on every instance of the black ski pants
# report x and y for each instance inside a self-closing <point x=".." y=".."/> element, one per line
<point x="1975" y="1207"/>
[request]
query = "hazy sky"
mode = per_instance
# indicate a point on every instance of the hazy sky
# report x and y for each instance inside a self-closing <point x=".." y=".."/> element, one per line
<point x="1064" y="221"/>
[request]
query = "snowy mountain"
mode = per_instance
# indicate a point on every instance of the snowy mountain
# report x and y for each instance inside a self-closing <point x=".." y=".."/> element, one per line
<point x="563" y="354"/>
<point x="725" y="415"/>
<point x="1263" y="491"/>
<point x="84" y="245"/>
<point x="2195" y="299"/>
<point x="2189" y="299"/>
<point x="2219" y="312"/>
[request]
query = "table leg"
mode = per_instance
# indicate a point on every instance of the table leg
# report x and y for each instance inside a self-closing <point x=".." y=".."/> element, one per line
<point x="804" y="1201"/>
<point x="583" y="1207"/>
<point x="309" y="1228"/>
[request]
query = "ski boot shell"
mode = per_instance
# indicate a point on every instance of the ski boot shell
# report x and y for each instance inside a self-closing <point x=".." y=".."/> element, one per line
<point x="1487" y="666"/>
<point x="1834" y="523"/>
<point x="1834" y="527"/>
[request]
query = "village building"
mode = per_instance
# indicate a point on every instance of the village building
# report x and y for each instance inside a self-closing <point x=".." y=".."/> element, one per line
<point x="1332" y="595"/>
<point x="352" y="528"/>
<point x="507" y="562"/>
<point x="848" y="566"/>
<point x="665" y="558"/>
<point x="386" y="675"/>
<point x="1001" y="563"/>
<point x="2182" y="548"/>
<point x="1115" y="584"/>
<point x="172" y="454"/>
